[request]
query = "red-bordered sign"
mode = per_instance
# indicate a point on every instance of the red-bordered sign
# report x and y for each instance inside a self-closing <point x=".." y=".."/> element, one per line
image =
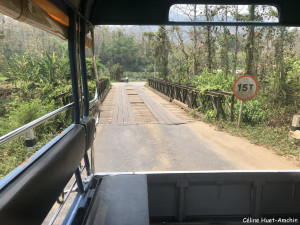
<point x="245" y="87"/>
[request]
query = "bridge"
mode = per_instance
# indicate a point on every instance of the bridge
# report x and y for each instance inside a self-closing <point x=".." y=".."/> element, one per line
<point x="141" y="130"/>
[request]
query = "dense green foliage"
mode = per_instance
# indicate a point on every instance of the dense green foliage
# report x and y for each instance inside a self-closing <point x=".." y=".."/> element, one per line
<point x="213" y="81"/>
<point x="37" y="76"/>
<point x="119" y="52"/>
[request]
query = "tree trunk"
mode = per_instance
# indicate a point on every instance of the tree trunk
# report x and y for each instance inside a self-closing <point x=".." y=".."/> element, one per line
<point x="280" y="58"/>
<point x="208" y="42"/>
<point x="195" y="63"/>
<point x="226" y="31"/>
<point x="250" y="44"/>
<point x="236" y="44"/>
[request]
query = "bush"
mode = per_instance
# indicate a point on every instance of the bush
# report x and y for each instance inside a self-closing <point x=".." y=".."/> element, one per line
<point x="253" y="112"/>
<point x="29" y="111"/>
<point x="211" y="114"/>
<point x="12" y="155"/>
<point x="116" y="72"/>
<point x="92" y="89"/>
<point x="213" y="81"/>
<point x="137" y="76"/>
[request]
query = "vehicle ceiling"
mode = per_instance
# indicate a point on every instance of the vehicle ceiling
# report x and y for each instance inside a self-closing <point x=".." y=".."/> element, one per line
<point x="53" y="15"/>
<point x="156" y="12"/>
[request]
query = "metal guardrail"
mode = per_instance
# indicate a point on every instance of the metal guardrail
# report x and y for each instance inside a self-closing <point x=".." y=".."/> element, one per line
<point x="21" y="130"/>
<point x="102" y="84"/>
<point x="194" y="98"/>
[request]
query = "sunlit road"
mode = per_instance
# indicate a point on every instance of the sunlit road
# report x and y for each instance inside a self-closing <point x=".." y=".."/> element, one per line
<point x="141" y="131"/>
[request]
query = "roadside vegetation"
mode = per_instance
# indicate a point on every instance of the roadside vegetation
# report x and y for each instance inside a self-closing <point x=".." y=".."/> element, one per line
<point x="34" y="80"/>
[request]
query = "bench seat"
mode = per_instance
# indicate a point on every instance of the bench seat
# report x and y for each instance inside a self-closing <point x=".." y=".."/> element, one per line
<point x="120" y="199"/>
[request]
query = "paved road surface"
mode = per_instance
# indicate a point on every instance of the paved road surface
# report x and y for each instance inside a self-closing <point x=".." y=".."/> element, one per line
<point x="143" y="135"/>
<point x="141" y="131"/>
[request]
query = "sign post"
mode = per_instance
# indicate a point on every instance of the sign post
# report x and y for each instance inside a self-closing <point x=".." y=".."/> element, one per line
<point x="244" y="88"/>
<point x="240" y="114"/>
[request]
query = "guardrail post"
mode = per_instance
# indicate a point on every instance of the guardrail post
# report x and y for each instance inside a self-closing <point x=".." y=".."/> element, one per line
<point x="30" y="140"/>
<point x="221" y="107"/>
<point x="232" y="108"/>
<point x="217" y="106"/>
<point x="190" y="93"/>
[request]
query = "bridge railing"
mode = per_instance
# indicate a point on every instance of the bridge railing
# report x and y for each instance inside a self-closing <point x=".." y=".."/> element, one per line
<point x="102" y="87"/>
<point x="194" y="98"/>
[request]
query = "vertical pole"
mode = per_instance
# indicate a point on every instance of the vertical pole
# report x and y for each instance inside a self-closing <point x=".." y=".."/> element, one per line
<point x="217" y="102"/>
<point x="79" y="181"/>
<point x="94" y="58"/>
<point x="240" y="114"/>
<point x="72" y="45"/>
<point x="232" y="108"/>
<point x="83" y="67"/>
<point x="87" y="164"/>
<point x="154" y="67"/>
<point x="92" y="159"/>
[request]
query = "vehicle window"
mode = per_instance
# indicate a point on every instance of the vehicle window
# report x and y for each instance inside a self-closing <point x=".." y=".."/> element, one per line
<point x="34" y="81"/>
<point x="223" y="13"/>
<point x="196" y="68"/>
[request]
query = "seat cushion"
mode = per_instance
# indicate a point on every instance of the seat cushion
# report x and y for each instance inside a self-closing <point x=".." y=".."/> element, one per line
<point x="121" y="199"/>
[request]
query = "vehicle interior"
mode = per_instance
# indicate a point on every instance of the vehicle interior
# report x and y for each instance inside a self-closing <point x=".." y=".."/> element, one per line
<point x="189" y="197"/>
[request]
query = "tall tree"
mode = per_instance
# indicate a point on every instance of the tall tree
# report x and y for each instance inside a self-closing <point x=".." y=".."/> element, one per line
<point x="250" y="43"/>
<point x="225" y="37"/>
<point x="209" y="12"/>
<point x="195" y="42"/>
<point x="236" y="42"/>
<point x="161" y="48"/>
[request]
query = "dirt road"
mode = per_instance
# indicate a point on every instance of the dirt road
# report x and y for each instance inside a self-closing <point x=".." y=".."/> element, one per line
<point x="141" y="131"/>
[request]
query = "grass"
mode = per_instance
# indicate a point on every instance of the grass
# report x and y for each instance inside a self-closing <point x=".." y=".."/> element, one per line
<point x="2" y="79"/>
<point x="276" y="139"/>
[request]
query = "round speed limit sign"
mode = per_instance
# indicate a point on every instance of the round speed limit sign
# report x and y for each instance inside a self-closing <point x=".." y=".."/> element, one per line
<point x="245" y="87"/>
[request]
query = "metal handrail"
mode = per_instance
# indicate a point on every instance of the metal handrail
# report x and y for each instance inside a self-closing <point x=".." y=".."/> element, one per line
<point x="21" y="130"/>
